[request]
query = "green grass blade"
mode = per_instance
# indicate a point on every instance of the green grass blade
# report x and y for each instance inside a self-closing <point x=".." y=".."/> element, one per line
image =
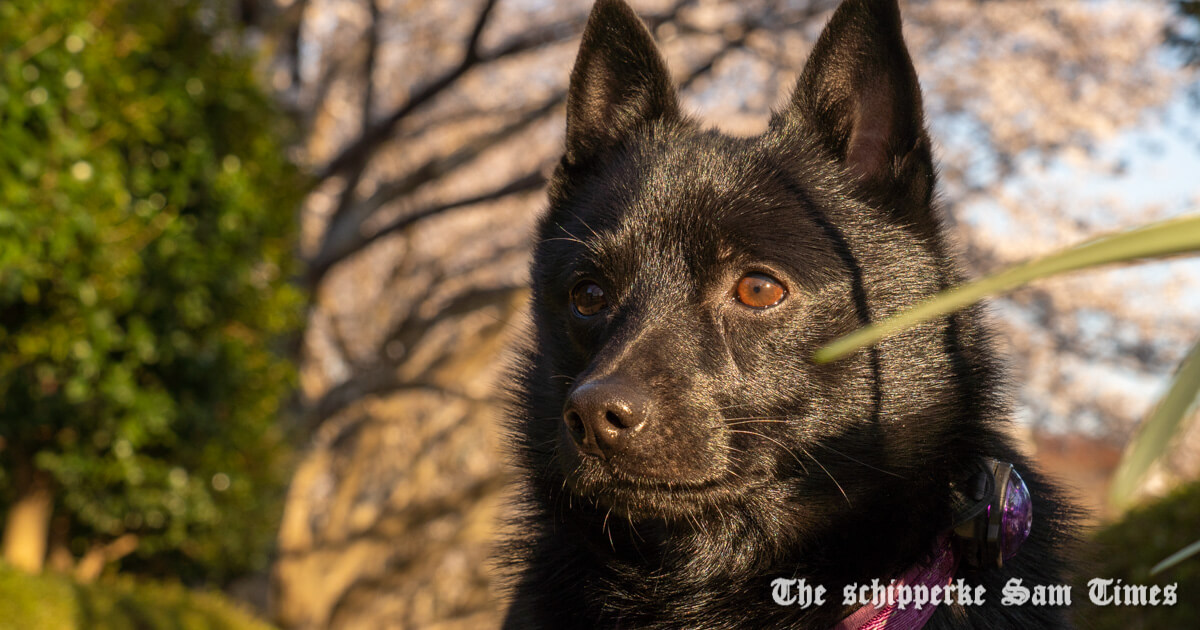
<point x="1156" y="432"/>
<point x="1176" y="558"/>
<point x="1168" y="238"/>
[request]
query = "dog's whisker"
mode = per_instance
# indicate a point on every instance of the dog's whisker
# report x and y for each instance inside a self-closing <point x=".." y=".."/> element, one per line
<point x="604" y="528"/>
<point x="831" y="477"/>
<point x="564" y="239"/>
<point x="732" y="449"/>
<point x="859" y="461"/>
<point x="633" y="529"/>
<point x="735" y="406"/>
<point x="779" y="444"/>
<point x="589" y="228"/>
<point x="755" y="421"/>
<point x="590" y="246"/>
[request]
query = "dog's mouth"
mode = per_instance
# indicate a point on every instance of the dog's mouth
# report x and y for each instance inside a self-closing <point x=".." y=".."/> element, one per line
<point x="635" y="495"/>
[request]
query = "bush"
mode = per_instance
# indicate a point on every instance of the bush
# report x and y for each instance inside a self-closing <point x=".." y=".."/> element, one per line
<point x="53" y="602"/>
<point x="146" y="238"/>
<point x="1129" y="548"/>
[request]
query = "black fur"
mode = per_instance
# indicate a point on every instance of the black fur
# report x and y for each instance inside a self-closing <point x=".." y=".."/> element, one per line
<point x="680" y="449"/>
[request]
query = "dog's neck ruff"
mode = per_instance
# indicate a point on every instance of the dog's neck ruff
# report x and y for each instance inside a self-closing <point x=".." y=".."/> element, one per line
<point x="937" y="571"/>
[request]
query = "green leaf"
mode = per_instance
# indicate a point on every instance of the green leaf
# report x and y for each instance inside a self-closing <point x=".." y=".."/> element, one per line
<point x="1168" y="238"/>
<point x="1176" y="558"/>
<point x="1156" y="431"/>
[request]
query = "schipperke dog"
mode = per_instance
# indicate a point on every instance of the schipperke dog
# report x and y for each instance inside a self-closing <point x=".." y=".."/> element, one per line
<point x="686" y="462"/>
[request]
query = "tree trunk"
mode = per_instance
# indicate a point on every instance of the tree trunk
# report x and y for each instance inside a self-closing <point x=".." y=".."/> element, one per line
<point x="28" y="523"/>
<point x="92" y="564"/>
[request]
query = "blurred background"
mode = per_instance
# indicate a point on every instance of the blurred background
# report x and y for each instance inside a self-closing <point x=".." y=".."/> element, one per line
<point x="260" y="261"/>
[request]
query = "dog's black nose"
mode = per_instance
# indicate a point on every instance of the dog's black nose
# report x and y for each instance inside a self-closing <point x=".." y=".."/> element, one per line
<point x="604" y="416"/>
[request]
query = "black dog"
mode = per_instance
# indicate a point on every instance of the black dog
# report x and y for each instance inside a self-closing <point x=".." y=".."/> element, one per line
<point x="682" y="451"/>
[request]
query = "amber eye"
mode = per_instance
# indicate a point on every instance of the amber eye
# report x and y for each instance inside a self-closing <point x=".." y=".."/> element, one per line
<point x="758" y="290"/>
<point x="587" y="298"/>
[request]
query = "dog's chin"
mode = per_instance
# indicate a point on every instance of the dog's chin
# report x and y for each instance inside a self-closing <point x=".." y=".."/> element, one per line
<point x="633" y="495"/>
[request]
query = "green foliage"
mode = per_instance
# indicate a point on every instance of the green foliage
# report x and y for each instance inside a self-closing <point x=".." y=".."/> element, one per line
<point x="53" y="602"/>
<point x="1154" y="437"/>
<point x="1130" y="548"/>
<point x="146" y="231"/>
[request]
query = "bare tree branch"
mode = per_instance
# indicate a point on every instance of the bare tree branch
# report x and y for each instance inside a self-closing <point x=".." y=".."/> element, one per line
<point x="472" y="47"/>
<point x="345" y="230"/>
<point x="319" y="267"/>
<point x="356" y="154"/>
<point x="342" y="241"/>
<point x="346" y="200"/>
<point x="381" y="376"/>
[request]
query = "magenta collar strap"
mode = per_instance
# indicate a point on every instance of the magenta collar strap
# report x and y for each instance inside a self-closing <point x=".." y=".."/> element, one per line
<point x="993" y="517"/>
<point x="938" y="572"/>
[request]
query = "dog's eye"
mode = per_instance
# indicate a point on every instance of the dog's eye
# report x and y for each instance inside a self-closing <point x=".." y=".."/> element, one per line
<point x="587" y="298"/>
<point x="758" y="290"/>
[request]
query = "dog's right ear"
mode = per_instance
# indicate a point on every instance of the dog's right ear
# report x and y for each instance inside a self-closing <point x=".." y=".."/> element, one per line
<point x="860" y="94"/>
<point x="620" y="80"/>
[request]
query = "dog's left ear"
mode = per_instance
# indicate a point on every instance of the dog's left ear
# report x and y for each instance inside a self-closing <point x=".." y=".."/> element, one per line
<point x="620" y="80"/>
<point x="859" y="93"/>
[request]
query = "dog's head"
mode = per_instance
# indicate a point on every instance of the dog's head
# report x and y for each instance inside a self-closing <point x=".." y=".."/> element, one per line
<point x="682" y="280"/>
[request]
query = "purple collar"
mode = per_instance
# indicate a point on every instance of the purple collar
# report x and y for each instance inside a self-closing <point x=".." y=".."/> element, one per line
<point x="937" y="571"/>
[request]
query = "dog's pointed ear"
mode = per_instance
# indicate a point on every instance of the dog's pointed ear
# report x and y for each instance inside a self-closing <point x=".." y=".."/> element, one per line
<point x="620" y="80"/>
<point x="860" y="93"/>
